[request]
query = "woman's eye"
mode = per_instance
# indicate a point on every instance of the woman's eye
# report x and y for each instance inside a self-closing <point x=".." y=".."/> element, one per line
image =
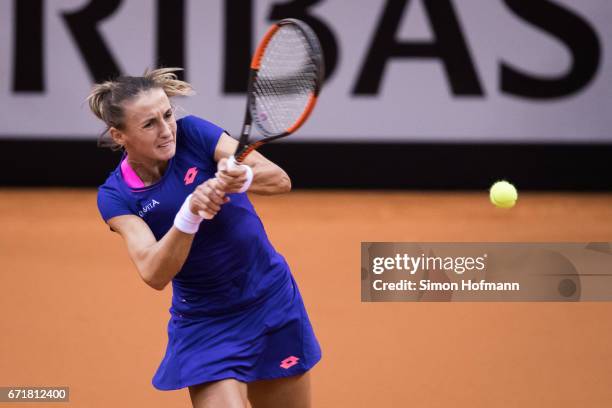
<point x="148" y="125"/>
<point x="168" y="114"/>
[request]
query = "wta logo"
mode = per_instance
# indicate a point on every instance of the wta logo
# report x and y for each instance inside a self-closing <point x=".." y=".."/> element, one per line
<point x="190" y="175"/>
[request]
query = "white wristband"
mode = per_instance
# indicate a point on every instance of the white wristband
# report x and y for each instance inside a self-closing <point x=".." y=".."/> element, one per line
<point x="231" y="164"/>
<point x="185" y="220"/>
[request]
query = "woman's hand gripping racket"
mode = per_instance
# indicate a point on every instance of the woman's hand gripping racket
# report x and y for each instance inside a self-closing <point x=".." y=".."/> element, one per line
<point x="284" y="82"/>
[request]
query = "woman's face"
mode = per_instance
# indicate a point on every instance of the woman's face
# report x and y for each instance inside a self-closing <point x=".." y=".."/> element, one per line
<point x="149" y="131"/>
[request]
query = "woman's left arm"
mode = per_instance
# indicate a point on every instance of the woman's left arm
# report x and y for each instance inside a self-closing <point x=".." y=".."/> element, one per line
<point x="268" y="178"/>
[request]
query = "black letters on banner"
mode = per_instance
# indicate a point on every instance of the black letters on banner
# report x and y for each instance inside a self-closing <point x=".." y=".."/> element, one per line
<point x="82" y="25"/>
<point x="171" y="34"/>
<point x="449" y="46"/>
<point x="299" y="9"/>
<point x="28" y="71"/>
<point x="238" y="40"/>
<point x="574" y="32"/>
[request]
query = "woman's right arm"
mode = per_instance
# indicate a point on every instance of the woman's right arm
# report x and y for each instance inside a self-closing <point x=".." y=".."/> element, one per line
<point x="159" y="261"/>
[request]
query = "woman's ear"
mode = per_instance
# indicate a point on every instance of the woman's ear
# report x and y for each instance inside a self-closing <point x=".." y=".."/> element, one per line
<point x="117" y="136"/>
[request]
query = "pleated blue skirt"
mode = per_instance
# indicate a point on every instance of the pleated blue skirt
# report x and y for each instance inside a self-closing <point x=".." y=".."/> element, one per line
<point x="269" y="339"/>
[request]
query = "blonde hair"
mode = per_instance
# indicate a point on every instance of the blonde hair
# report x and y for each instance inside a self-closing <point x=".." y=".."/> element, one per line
<point x="106" y="99"/>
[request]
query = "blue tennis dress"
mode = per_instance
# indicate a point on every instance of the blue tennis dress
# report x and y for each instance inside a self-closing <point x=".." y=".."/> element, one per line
<point x="236" y="310"/>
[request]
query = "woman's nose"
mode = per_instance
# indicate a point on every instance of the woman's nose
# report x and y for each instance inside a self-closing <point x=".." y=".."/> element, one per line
<point x="166" y="130"/>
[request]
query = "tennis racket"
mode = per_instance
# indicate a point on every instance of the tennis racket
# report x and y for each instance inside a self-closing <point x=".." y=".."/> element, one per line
<point x="284" y="83"/>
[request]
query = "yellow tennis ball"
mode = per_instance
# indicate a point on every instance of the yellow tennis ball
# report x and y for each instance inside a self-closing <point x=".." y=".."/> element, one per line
<point x="503" y="194"/>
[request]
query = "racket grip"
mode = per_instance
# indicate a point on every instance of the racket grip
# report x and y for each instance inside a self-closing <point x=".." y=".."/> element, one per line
<point x="232" y="163"/>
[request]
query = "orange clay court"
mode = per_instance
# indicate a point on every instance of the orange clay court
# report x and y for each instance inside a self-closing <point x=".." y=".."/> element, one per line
<point x="75" y="312"/>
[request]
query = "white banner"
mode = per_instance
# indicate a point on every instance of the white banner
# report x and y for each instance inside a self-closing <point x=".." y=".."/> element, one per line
<point x="419" y="70"/>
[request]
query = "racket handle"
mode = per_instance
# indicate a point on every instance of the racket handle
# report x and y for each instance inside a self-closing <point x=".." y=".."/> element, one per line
<point x="232" y="163"/>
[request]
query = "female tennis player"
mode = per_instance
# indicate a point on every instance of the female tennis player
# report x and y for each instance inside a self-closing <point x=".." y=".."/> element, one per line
<point x="238" y="328"/>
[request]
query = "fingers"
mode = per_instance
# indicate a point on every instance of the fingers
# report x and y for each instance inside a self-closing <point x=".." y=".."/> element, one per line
<point x="206" y="215"/>
<point x="230" y="178"/>
<point x="223" y="167"/>
<point x="230" y="185"/>
<point x="210" y="215"/>
<point x="207" y="199"/>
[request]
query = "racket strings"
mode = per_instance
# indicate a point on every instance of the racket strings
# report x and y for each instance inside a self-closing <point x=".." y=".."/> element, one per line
<point x="286" y="79"/>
